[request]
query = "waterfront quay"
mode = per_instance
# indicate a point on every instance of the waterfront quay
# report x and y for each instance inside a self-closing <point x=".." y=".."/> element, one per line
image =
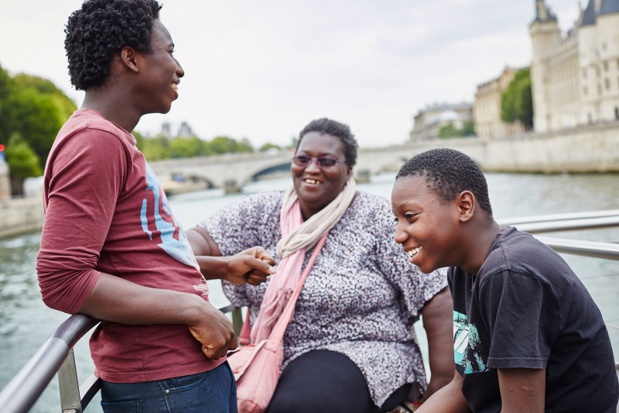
<point x="20" y="216"/>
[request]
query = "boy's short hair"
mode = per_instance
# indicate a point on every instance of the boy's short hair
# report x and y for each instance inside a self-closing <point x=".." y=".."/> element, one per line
<point x="337" y="129"/>
<point x="101" y="28"/>
<point x="449" y="172"/>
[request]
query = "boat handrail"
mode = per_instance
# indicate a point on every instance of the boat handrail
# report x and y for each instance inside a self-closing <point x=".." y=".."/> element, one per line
<point x="20" y="394"/>
<point x="56" y="356"/>
<point x="566" y="224"/>
<point x="560" y="217"/>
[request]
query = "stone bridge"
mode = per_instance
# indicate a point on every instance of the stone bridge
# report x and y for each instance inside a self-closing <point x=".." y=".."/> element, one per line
<point x="232" y="171"/>
<point x="590" y="148"/>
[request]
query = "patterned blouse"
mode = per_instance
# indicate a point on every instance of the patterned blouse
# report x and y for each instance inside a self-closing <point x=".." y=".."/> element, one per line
<point x="361" y="297"/>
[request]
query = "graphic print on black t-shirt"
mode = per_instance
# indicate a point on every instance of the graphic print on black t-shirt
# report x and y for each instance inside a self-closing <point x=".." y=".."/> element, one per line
<point x="467" y="346"/>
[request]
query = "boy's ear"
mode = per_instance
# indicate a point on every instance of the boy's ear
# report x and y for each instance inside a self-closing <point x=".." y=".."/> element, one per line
<point x="466" y="205"/>
<point x="129" y="57"/>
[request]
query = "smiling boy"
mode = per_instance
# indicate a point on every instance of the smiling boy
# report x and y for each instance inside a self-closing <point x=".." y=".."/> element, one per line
<point x="527" y="334"/>
<point x="111" y="248"/>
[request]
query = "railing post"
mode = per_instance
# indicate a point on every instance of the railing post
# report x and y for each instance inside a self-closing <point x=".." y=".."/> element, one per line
<point x="70" y="400"/>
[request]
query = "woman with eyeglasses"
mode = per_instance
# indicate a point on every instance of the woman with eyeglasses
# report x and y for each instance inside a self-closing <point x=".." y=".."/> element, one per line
<point x="351" y="345"/>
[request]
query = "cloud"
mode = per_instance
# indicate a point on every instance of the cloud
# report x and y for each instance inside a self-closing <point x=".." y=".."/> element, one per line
<point x="262" y="70"/>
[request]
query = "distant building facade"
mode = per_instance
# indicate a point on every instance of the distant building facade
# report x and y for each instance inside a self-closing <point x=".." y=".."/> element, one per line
<point x="575" y="77"/>
<point x="487" y="108"/>
<point x="429" y="121"/>
<point x="184" y="131"/>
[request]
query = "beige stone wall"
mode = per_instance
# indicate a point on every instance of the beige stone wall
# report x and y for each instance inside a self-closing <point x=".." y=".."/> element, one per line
<point x="583" y="149"/>
<point x="487" y="108"/>
<point x="5" y="183"/>
<point x="608" y="44"/>
<point x="18" y="216"/>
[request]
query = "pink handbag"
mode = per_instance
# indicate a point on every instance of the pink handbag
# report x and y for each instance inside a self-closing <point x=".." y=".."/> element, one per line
<point x="257" y="366"/>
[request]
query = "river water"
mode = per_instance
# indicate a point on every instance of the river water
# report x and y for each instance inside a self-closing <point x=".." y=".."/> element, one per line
<point x="25" y="322"/>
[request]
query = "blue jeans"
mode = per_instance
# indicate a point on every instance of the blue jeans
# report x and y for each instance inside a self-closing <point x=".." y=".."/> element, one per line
<point x="213" y="392"/>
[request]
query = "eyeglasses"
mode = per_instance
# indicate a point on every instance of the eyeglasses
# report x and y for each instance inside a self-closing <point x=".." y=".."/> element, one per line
<point x="323" y="161"/>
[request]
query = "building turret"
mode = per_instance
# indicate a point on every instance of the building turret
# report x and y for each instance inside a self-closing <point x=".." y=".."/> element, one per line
<point x="545" y="36"/>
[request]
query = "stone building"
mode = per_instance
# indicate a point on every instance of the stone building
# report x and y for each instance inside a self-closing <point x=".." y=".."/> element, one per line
<point x="575" y="77"/>
<point x="487" y="108"/>
<point x="429" y="121"/>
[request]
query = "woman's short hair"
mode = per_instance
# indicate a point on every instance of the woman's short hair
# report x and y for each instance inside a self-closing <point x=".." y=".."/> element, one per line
<point x="337" y="129"/>
<point x="101" y="28"/>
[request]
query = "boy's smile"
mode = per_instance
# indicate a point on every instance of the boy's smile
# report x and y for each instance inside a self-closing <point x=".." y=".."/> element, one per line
<point x="424" y="223"/>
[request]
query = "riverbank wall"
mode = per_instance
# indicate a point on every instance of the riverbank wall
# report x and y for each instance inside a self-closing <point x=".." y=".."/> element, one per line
<point x="20" y="216"/>
<point x="586" y="149"/>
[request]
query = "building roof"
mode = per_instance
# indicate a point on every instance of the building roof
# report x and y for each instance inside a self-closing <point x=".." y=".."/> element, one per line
<point x="606" y="7"/>
<point x="588" y="17"/>
<point x="609" y="7"/>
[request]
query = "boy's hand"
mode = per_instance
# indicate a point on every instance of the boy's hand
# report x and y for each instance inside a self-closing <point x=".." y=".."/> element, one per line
<point x="251" y="266"/>
<point x="215" y="332"/>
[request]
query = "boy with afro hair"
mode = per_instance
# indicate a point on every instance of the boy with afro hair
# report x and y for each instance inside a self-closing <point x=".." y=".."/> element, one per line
<point x="111" y="248"/>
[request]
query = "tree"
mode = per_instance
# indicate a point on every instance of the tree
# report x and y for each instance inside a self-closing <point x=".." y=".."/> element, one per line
<point x="517" y="100"/>
<point x="448" y="131"/>
<point x="268" y="146"/>
<point x="187" y="147"/>
<point x="34" y="108"/>
<point x="154" y="149"/>
<point x="225" y="144"/>
<point x="23" y="162"/>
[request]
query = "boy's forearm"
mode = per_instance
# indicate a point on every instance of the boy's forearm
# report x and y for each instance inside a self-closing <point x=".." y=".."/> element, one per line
<point x="118" y="300"/>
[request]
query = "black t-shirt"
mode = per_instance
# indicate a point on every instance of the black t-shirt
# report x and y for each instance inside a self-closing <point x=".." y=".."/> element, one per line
<point x="527" y="309"/>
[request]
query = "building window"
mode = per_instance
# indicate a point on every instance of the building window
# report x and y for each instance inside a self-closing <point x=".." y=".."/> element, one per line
<point x="605" y="63"/>
<point x="585" y="91"/>
<point x="616" y="113"/>
<point x="584" y="72"/>
<point x="607" y="83"/>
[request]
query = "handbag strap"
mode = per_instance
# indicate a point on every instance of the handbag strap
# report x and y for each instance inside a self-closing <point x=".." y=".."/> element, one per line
<point x="277" y="334"/>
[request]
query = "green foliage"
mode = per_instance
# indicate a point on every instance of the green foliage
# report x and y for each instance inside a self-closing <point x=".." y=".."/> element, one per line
<point x="450" y="131"/>
<point x="188" y="147"/>
<point x="268" y="146"/>
<point x="5" y="84"/>
<point x="517" y="100"/>
<point x="225" y="144"/>
<point x="468" y="129"/>
<point x="22" y="160"/>
<point x="162" y="148"/>
<point x="35" y="109"/>
<point x="154" y="149"/>
<point x="35" y="116"/>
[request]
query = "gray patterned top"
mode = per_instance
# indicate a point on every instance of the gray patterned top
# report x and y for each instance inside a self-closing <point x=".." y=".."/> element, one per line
<point x="361" y="297"/>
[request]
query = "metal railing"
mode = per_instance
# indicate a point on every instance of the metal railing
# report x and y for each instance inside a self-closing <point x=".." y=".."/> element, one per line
<point x="56" y="354"/>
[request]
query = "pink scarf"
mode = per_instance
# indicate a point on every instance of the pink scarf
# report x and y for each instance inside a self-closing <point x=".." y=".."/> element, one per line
<point x="297" y="237"/>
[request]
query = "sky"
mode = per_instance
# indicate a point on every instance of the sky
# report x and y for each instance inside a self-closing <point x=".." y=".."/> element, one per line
<point x="263" y="69"/>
